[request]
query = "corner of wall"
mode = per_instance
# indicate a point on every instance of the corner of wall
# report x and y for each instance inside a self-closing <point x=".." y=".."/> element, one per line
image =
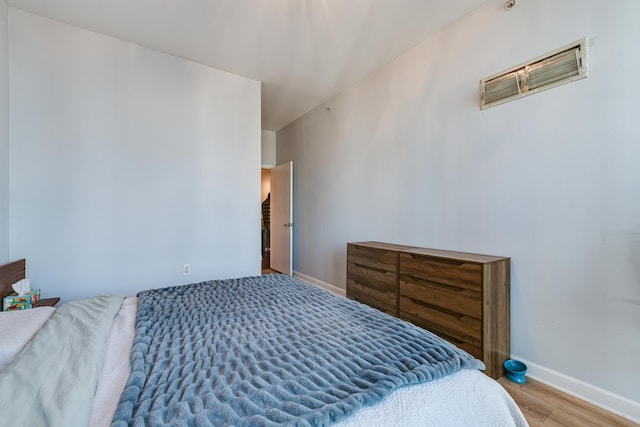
<point x="4" y="132"/>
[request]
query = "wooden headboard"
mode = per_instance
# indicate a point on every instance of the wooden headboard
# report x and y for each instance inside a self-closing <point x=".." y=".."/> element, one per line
<point x="11" y="273"/>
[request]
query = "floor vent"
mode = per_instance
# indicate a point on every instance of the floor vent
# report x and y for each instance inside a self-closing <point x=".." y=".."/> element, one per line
<point x="561" y="66"/>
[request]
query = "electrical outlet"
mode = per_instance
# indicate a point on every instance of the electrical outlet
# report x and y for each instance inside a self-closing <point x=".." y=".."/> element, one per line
<point x="186" y="269"/>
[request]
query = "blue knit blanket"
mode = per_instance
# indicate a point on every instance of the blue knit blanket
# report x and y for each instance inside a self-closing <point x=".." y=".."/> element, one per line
<point x="270" y="350"/>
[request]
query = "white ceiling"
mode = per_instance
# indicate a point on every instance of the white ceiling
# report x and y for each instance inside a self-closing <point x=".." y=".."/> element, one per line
<point x="303" y="51"/>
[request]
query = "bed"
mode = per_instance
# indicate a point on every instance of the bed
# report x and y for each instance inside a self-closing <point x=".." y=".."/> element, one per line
<point x="264" y="350"/>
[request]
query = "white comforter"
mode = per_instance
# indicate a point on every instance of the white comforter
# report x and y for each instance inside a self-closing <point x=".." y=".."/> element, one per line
<point x="467" y="398"/>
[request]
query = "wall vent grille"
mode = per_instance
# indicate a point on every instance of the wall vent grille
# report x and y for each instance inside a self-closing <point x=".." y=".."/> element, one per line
<point x="561" y="66"/>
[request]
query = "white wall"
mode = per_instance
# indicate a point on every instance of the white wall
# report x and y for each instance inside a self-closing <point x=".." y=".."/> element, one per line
<point x="268" y="149"/>
<point x="127" y="163"/>
<point x="551" y="180"/>
<point x="4" y="133"/>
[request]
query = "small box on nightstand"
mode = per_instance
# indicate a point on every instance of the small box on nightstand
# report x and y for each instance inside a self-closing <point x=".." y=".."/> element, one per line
<point x="21" y="302"/>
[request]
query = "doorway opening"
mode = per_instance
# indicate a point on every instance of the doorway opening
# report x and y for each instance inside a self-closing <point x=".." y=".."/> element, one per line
<point x="265" y="221"/>
<point x="277" y="219"/>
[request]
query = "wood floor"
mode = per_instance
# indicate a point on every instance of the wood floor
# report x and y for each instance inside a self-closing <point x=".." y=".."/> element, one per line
<point x="545" y="406"/>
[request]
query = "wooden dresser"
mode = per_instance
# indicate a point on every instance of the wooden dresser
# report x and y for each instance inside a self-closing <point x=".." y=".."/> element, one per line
<point x="462" y="297"/>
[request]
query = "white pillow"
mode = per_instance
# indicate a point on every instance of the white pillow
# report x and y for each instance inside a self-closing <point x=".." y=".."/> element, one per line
<point x="17" y="328"/>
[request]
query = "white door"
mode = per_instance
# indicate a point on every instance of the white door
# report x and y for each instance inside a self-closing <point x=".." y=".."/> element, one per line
<point x="282" y="217"/>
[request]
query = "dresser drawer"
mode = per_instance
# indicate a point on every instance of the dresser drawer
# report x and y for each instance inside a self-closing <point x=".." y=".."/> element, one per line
<point x="466" y="275"/>
<point x="384" y="300"/>
<point x="459" y="326"/>
<point x="473" y="350"/>
<point x="378" y="259"/>
<point x="451" y="298"/>
<point x="384" y="281"/>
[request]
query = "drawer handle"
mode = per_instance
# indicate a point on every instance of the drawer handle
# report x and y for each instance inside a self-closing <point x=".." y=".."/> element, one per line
<point x="358" y="283"/>
<point x="451" y="313"/>
<point x="448" y="337"/>
<point x="379" y="270"/>
<point x="458" y="316"/>
<point x="366" y="285"/>
<point x="437" y="260"/>
<point x="440" y="285"/>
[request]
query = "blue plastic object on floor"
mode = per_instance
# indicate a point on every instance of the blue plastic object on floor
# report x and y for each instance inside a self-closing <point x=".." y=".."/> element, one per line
<point x="515" y="371"/>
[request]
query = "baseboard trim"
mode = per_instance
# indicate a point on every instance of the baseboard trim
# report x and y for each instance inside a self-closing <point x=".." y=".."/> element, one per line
<point x="320" y="284"/>
<point x="597" y="396"/>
